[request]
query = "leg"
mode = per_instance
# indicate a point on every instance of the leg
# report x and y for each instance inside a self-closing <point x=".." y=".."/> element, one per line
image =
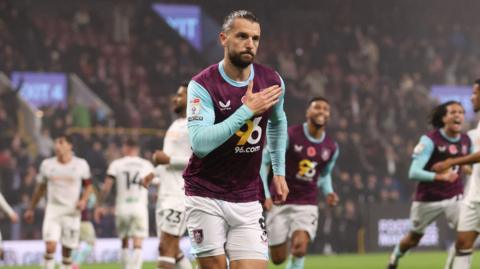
<point x="277" y="230"/>
<point x="279" y="253"/>
<point x="214" y="262"/>
<point x="408" y="241"/>
<point x="207" y="231"/>
<point x="66" y="258"/>
<point x="247" y="236"/>
<point x="168" y="251"/>
<point x="299" y="244"/>
<point x="137" y="259"/>
<point x="464" y="249"/>
<point x="49" y="258"/>
<point x="125" y="254"/>
<point x="246" y="264"/>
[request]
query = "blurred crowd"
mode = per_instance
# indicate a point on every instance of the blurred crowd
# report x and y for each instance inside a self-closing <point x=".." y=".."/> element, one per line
<point x="374" y="65"/>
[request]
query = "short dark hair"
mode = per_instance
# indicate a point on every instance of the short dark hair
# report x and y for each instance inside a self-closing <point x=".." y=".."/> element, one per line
<point x="130" y="142"/>
<point x="477" y="81"/>
<point x="242" y="14"/>
<point x="184" y="83"/>
<point x="438" y="112"/>
<point x="318" y="98"/>
<point x="65" y="136"/>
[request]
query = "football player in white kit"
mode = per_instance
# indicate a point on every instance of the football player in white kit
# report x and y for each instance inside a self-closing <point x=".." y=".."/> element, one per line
<point x="62" y="177"/>
<point x="170" y="213"/>
<point x="131" y="204"/>
<point x="11" y="214"/>
<point x="468" y="227"/>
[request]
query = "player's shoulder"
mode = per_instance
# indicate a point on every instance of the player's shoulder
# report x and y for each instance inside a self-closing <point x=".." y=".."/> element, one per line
<point x="48" y="162"/>
<point x="79" y="160"/>
<point x="264" y="68"/>
<point x="206" y="73"/>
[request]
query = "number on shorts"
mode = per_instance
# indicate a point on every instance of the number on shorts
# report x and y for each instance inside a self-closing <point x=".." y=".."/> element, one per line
<point x="131" y="181"/>
<point x="174" y="216"/>
<point x="261" y="221"/>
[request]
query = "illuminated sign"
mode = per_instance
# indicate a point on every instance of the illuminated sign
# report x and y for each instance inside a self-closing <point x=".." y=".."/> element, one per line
<point x="185" y="19"/>
<point x="42" y="89"/>
<point x="391" y="231"/>
<point x="444" y="93"/>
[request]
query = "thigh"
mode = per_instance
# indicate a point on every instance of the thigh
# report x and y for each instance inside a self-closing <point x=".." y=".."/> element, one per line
<point x="304" y="218"/>
<point x="469" y="217"/>
<point x="247" y="264"/>
<point x="139" y="227"/>
<point x="70" y="231"/>
<point x="452" y="211"/>
<point x="213" y="262"/>
<point x="277" y="225"/>
<point x="171" y="221"/>
<point x="423" y="214"/>
<point x="52" y="228"/>
<point x="206" y="227"/>
<point x="87" y="232"/>
<point x="247" y="235"/>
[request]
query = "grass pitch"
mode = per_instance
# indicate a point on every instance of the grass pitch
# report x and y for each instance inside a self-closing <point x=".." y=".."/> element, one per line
<point x="414" y="260"/>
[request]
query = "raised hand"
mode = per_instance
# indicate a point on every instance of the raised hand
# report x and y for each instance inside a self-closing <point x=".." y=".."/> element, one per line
<point x="261" y="101"/>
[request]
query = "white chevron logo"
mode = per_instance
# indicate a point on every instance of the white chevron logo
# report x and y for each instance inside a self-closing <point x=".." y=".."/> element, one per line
<point x="224" y="106"/>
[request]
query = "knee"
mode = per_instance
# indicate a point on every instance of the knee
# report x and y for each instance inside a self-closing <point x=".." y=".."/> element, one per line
<point x="165" y="249"/>
<point x="278" y="258"/>
<point x="299" y="249"/>
<point x="463" y="243"/>
<point x="50" y="248"/>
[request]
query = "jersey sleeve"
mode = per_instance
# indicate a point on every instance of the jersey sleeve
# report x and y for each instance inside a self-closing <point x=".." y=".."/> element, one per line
<point x="204" y="134"/>
<point x="5" y="206"/>
<point x="266" y="161"/>
<point x="42" y="176"/>
<point x="277" y="135"/>
<point x="421" y="155"/>
<point x="86" y="174"/>
<point x="325" y="180"/>
<point x="147" y="169"/>
<point x="112" y="170"/>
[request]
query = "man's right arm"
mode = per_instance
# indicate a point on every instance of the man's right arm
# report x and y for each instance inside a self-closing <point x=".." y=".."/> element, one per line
<point x="204" y="134"/>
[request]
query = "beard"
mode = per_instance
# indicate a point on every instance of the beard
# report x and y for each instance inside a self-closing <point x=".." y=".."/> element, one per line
<point x="236" y="59"/>
<point x="178" y="109"/>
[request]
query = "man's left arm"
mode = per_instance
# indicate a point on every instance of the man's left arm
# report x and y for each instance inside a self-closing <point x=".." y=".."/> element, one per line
<point x="325" y="180"/>
<point x="277" y="144"/>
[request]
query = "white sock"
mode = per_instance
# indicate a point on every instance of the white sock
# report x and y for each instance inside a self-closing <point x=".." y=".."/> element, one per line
<point x="183" y="262"/>
<point x="295" y="262"/>
<point x="137" y="259"/>
<point x="66" y="263"/>
<point x="451" y="255"/>
<point x="167" y="262"/>
<point x="49" y="261"/>
<point x="125" y="258"/>
<point x="463" y="259"/>
<point x="396" y="254"/>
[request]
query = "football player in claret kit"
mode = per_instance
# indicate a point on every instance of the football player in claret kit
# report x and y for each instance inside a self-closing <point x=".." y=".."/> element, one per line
<point x="310" y="158"/>
<point x="171" y="161"/>
<point x="229" y="107"/>
<point x="437" y="193"/>
<point x="131" y="202"/>
<point x="62" y="177"/>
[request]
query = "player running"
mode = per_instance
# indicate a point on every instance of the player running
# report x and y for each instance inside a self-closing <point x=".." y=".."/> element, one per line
<point x="310" y="158"/>
<point x="62" y="177"/>
<point x="436" y="193"/>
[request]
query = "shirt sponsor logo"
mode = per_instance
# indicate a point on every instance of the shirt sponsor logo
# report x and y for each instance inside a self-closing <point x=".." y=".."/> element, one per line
<point x="224" y="106"/>
<point x="298" y="148"/>
<point x="442" y="148"/>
